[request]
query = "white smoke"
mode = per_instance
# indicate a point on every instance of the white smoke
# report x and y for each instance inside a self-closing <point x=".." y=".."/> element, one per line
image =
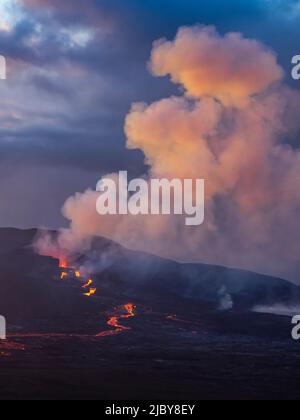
<point x="278" y="309"/>
<point x="230" y="128"/>
<point x="225" y="299"/>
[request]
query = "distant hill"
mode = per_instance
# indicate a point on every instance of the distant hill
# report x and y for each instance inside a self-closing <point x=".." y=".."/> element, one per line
<point x="30" y="286"/>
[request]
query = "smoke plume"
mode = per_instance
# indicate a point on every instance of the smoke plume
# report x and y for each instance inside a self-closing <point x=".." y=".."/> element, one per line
<point x="230" y="126"/>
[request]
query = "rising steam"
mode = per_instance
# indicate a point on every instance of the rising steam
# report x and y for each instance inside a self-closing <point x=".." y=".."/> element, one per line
<point x="229" y="127"/>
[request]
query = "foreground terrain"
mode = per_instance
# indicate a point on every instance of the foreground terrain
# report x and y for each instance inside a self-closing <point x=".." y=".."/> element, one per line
<point x="143" y="338"/>
<point x="161" y="357"/>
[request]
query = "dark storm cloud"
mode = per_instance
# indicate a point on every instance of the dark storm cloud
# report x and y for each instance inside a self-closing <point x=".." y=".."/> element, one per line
<point x="118" y="49"/>
<point x="39" y="145"/>
<point x="125" y="30"/>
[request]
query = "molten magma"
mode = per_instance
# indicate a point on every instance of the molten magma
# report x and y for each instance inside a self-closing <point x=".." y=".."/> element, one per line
<point x="88" y="284"/>
<point x="63" y="263"/>
<point x="130" y="308"/>
<point x="91" y="292"/>
<point x="114" y="321"/>
<point x="7" y="348"/>
<point x="64" y="275"/>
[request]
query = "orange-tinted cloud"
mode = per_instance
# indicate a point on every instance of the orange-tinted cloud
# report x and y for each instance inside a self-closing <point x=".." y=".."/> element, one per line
<point x="231" y="134"/>
<point x="206" y="63"/>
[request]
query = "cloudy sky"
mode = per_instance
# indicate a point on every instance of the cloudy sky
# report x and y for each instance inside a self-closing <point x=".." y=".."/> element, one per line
<point x="74" y="69"/>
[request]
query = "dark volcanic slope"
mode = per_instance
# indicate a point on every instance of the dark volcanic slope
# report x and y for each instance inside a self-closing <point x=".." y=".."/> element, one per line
<point x="222" y="288"/>
<point x="175" y="345"/>
<point x="30" y="286"/>
<point x="27" y="281"/>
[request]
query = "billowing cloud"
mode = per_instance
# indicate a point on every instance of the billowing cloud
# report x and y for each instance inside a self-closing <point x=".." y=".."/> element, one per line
<point x="252" y="175"/>
<point x="206" y="63"/>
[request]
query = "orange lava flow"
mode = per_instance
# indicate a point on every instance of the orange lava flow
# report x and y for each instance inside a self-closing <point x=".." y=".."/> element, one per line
<point x="91" y="292"/>
<point x="64" y="275"/>
<point x="88" y="284"/>
<point x="72" y="273"/>
<point x="8" y="347"/>
<point x="114" y="321"/>
<point x="63" y="264"/>
<point x="130" y="308"/>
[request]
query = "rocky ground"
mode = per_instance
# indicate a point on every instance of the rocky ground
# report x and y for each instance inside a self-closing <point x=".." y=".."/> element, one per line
<point x="172" y="342"/>
<point x="204" y="356"/>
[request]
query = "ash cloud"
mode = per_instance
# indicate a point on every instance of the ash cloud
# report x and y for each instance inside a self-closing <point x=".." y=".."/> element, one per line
<point x="64" y="245"/>
<point x="207" y="64"/>
<point x="228" y="128"/>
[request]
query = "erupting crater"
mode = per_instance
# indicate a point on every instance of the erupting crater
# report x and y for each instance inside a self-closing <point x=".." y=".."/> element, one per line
<point x="70" y="272"/>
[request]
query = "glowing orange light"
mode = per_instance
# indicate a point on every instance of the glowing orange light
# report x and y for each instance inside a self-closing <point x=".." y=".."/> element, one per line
<point x="64" y="275"/>
<point x="130" y="308"/>
<point x="88" y="284"/>
<point x="63" y="264"/>
<point x="114" y="321"/>
<point x="91" y="292"/>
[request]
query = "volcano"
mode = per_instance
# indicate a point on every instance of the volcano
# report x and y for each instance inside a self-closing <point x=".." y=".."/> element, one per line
<point x="142" y="316"/>
<point x="31" y="288"/>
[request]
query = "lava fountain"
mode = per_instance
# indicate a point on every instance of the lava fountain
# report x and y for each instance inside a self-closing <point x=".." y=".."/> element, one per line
<point x="71" y="272"/>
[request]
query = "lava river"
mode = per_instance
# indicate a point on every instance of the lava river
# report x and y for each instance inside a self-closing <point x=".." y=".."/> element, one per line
<point x="114" y="320"/>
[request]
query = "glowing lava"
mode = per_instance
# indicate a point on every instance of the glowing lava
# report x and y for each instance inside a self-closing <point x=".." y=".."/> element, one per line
<point x="63" y="264"/>
<point x="91" y="292"/>
<point x="88" y="284"/>
<point x="7" y="348"/>
<point x="114" y="321"/>
<point x="130" y="308"/>
<point x="64" y="275"/>
<point x="73" y="273"/>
